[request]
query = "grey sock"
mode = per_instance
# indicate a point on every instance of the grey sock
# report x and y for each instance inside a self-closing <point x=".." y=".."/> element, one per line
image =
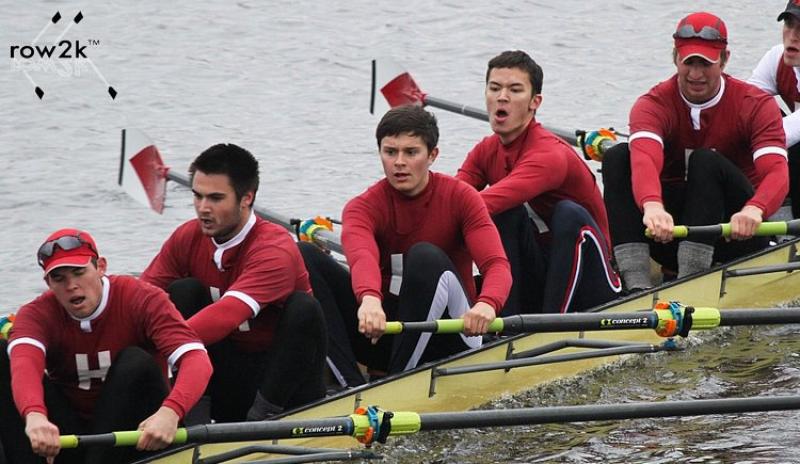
<point x="262" y="409"/>
<point x="694" y="257"/>
<point x="633" y="261"/>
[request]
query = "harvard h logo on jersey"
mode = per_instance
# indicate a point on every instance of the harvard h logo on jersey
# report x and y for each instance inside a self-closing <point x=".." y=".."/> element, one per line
<point x="86" y="374"/>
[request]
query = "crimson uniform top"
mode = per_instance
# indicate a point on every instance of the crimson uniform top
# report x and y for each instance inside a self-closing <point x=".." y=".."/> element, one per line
<point x="258" y="268"/>
<point x="538" y="168"/>
<point x="742" y="123"/>
<point x="78" y="352"/>
<point x="382" y="222"/>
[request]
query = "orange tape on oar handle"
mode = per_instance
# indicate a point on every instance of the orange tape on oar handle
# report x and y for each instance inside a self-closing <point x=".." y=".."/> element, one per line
<point x="673" y="318"/>
<point x="307" y="229"/>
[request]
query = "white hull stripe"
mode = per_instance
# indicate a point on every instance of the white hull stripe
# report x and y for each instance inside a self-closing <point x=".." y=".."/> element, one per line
<point x="449" y="296"/>
<point x="26" y="341"/>
<point x="646" y="135"/>
<point x="183" y="349"/>
<point x="769" y="151"/>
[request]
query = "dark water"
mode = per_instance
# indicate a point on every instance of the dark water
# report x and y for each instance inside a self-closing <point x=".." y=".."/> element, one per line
<point x="737" y="363"/>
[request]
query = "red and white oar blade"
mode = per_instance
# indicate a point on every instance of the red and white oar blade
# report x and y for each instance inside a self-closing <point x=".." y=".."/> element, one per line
<point x="142" y="173"/>
<point x="395" y="85"/>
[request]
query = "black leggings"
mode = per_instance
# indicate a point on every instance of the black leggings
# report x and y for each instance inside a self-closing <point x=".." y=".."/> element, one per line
<point x="426" y="293"/>
<point x="288" y="375"/>
<point x="715" y="190"/>
<point x="573" y="274"/>
<point x="133" y="390"/>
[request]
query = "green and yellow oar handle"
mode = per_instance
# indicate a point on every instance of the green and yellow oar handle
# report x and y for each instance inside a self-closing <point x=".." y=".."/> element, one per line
<point x="724" y="230"/>
<point x="667" y="319"/>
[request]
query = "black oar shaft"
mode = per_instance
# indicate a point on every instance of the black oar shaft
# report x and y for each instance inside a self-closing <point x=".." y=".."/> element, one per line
<point x="527" y="416"/>
<point x="482" y="115"/>
<point x="755" y="316"/>
<point x="579" y="321"/>
<point x="244" y="431"/>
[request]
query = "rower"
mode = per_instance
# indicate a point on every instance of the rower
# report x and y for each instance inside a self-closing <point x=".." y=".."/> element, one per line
<point x="241" y="283"/>
<point x="90" y="355"/>
<point x="523" y="164"/>
<point x="410" y="240"/>
<point x="704" y="148"/>
<point x="777" y="74"/>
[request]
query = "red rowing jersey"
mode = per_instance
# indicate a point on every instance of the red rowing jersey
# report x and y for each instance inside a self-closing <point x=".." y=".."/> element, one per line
<point x="257" y="270"/>
<point x="538" y="168"/>
<point x="78" y="352"/>
<point x="382" y="223"/>
<point x="775" y="77"/>
<point x="741" y="122"/>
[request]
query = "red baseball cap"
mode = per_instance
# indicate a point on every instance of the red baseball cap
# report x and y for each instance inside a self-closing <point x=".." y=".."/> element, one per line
<point x="67" y="247"/>
<point x="700" y="34"/>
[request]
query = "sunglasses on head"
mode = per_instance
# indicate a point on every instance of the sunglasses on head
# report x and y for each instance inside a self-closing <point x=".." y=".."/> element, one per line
<point x="706" y="33"/>
<point x="66" y="243"/>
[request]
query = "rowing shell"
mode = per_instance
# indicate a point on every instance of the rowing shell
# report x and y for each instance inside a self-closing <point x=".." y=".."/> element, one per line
<point x="462" y="382"/>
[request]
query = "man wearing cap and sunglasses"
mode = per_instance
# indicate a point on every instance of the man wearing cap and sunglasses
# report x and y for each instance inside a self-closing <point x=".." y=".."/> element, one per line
<point x="241" y="283"/>
<point x="102" y="344"/>
<point x="705" y="148"/>
<point x="778" y="73"/>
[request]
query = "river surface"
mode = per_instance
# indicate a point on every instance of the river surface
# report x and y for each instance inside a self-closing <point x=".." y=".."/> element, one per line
<point x="290" y="81"/>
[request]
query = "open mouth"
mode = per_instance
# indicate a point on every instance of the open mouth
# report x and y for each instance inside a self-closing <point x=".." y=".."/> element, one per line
<point x="77" y="300"/>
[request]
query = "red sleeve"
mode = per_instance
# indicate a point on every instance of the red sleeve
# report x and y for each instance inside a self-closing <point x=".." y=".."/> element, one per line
<point x="27" y="364"/>
<point x="530" y="178"/>
<point x="486" y="249"/>
<point x="164" y="268"/>
<point x="470" y="171"/>
<point x="774" y="186"/>
<point x="269" y="274"/>
<point x="194" y="371"/>
<point x="361" y="248"/>
<point x="648" y="126"/>
<point x="219" y="319"/>
<point x="769" y="152"/>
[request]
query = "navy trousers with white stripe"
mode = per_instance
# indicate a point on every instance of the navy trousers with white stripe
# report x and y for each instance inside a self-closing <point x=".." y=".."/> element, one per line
<point x="571" y="273"/>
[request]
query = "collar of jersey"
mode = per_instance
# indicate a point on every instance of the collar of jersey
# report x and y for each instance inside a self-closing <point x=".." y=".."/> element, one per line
<point x="86" y="322"/>
<point x="239" y="238"/>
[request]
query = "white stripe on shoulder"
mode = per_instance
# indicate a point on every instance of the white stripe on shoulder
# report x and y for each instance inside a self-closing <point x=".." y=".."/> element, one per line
<point x="248" y="300"/>
<point x="183" y="349"/>
<point x="770" y="151"/>
<point x="645" y="135"/>
<point x="26" y="341"/>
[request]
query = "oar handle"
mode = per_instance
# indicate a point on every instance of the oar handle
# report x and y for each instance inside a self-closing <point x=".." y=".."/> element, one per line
<point x="123" y="438"/>
<point x="724" y="230"/>
<point x="439" y="326"/>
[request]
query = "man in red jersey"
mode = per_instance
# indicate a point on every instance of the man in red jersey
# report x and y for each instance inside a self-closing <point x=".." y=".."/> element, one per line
<point x="777" y="74"/>
<point x="704" y="148"/>
<point x="102" y="344"/>
<point x="241" y="283"/>
<point x="410" y="241"/>
<point x="524" y="164"/>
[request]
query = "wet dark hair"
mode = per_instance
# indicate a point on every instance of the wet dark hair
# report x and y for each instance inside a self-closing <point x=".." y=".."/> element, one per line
<point x="238" y="164"/>
<point x="409" y="119"/>
<point x="519" y="60"/>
